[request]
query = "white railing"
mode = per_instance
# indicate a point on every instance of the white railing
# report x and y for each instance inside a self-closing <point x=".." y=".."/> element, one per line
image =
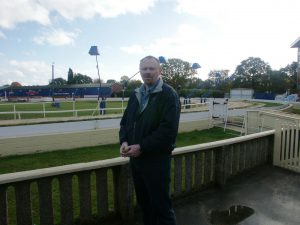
<point x="287" y="136"/>
<point x="17" y="114"/>
<point x="287" y="146"/>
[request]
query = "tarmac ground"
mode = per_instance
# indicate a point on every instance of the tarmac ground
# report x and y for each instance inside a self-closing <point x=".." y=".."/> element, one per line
<point x="269" y="195"/>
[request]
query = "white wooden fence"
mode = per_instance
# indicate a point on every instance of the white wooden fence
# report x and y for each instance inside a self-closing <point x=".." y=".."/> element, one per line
<point x="286" y="146"/>
<point x="287" y="136"/>
<point x="43" y="113"/>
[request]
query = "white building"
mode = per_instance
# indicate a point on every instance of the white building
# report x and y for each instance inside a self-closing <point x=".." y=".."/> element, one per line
<point x="241" y="93"/>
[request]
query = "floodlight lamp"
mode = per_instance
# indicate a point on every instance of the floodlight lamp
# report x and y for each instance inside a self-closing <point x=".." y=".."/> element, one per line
<point x="94" y="50"/>
<point x="162" y="60"/>
<point x="196" y="66"/>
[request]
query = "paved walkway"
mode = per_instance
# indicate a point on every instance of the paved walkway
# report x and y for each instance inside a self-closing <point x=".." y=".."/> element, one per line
<point x="273" y="194"/>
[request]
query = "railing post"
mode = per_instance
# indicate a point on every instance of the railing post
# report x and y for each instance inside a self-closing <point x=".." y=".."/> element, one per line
<point x="85" y="199"/>
<point x="123" y="187"/>
<point x="3" y="206"/>
<point x="207" y="166"/>
<point x="66" y="199"/>
<point x="15" y="115"/>
<point x="198" y="170"/>
<point x="177" y="175"/>
<point x="277" y="143"/>
<point x="188" y="172"/>
<point x="102" y="192"/>
<point x="235" y="159"/>
<point x="23" y="203"/>
<point x="44" y="109"/>
<point x="222" y="165"/>
<point x="45" y="201"/>
<point x="242" y="157"/>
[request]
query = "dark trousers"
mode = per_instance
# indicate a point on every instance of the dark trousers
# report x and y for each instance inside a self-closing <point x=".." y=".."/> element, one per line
<point x="151" y="177"/>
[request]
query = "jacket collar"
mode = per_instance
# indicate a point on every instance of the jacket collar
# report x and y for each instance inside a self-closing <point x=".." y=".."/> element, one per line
<point x="158" y="87"/>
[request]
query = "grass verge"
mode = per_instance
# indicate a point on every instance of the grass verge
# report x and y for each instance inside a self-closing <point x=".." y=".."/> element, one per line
<point x="268" y="104"/>
<point x="18" y="163"/>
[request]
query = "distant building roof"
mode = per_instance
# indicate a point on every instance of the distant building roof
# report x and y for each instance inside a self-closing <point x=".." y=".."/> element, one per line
<point x="241" y="89"/>
<point x="296" y="44"/>
<point x="88" y="85"/>
<point x="63" y="86"/>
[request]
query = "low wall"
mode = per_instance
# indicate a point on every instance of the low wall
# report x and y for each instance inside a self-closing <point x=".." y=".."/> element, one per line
<point x="63" y="141"/>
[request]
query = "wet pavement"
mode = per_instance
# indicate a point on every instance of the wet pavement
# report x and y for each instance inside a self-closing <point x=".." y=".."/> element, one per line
<point x="270" y="195"/>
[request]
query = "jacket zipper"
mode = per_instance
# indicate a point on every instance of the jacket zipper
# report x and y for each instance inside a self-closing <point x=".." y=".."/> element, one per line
<point x="134" y="132"/>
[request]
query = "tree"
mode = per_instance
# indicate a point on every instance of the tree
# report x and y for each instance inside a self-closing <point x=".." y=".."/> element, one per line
<point x="133" y="84"/>
<point x="70" y="76"/>
<point x="81" y="79"/>
<point x="96" y="81"/>
<point x="177" y="72"/>
<point x="291" y="72"/>
<point x="207" y="84"/>
<point x="279" y="82"/>
<point x="58" y="82"/>
<point x="111" y="81"/>
<point x="252" y="73"/>
<point x="194" y="83"/>
<point x="218" y="76"/>
<point x="16" y="84"/>
<point x="124" y="80"/>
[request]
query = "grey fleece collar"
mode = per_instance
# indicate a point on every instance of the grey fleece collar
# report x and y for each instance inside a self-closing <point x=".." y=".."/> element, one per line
<point x="158" y="88"/>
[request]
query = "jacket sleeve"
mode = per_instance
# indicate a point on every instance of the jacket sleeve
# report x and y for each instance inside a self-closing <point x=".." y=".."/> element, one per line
<point x="164" y="137"/>
<point x="122" y="131"/>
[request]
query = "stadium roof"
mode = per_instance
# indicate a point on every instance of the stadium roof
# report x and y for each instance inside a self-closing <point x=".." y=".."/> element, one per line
<point x="104" y="85"/>
<point x="296" y="44"/>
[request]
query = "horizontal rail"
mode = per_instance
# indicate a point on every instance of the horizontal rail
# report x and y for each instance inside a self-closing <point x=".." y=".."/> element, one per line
<point x="58" y="170"/>
<point x="76" y="110"/>
<point x="216" y="144"/>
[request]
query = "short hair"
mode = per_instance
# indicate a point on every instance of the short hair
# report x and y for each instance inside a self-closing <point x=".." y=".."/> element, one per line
<point x="150" y="57"/>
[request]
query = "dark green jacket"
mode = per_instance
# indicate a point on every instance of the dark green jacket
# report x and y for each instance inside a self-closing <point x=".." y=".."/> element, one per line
<point x="155" y="129"/>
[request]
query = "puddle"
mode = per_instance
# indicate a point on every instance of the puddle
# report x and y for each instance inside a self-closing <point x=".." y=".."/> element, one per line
<point x="232" y="216"/>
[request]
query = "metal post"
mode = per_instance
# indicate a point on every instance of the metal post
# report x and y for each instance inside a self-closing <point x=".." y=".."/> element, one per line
<point x="123" y="100"/>
<point x="99" y="79"/>
<point x="44" y="109"/>
<point x="298" y="72"/>
<point x="15" y="116"/>
<point x="74" y="114"/>
<point x="53" y="82"/>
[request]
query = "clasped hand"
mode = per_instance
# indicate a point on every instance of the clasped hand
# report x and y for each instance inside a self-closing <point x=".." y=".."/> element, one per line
<point x="130" y="150"/>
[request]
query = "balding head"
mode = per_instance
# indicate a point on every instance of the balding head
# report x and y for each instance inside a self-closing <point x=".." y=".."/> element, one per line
<point x="150" y="70"/>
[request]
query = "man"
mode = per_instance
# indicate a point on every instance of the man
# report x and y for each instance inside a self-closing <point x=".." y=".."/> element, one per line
<point x="147" y="135"/>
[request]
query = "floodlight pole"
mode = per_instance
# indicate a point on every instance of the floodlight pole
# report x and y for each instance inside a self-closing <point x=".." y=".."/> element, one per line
<point x="99" y="78"/>
<point x="52" y="82"/>
<point x="94" y="51"/>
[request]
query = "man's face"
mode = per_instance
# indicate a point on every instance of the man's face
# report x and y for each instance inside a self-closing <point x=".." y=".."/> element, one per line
<point x="150" y="71"/>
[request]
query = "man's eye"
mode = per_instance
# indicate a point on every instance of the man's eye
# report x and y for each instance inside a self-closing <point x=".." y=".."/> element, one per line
<point x="148" y="68"/>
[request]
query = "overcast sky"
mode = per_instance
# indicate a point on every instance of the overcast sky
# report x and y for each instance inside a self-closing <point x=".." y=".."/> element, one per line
<point x="217" y="34"/>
